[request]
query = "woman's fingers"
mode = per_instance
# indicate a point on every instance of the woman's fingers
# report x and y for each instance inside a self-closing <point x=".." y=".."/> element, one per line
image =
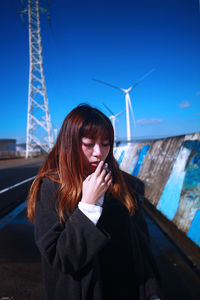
<point x="96" y="184"/>
<point x="104" y="171"/>
<point x="109" y="182"/>
<point x="108" y="177"/>
<point x="100" y="176"/>
<point x="99" y="168"/>
<point x="88" y="178"/>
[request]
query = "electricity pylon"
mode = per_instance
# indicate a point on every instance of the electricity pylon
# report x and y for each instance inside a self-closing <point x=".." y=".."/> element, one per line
<point x="39" y="128"/>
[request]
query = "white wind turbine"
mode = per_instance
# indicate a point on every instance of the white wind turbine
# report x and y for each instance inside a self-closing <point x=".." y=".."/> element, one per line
<point x="127" y="101"/>
<point x="113" y="118"/>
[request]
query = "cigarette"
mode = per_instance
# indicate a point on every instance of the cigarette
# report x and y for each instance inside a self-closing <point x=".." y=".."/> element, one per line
<point x="106" y="168"/>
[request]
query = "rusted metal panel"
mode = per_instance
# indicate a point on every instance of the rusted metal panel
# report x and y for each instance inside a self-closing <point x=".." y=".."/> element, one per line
<point x="7" y="145"/>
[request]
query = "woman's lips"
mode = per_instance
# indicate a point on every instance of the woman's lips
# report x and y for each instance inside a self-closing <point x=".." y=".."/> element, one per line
<point x="94" y="164"/>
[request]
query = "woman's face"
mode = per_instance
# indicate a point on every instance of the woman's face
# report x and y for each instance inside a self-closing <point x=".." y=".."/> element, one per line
<point x="93" y="151"/>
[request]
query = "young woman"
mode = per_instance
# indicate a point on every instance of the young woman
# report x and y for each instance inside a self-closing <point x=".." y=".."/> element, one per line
<point x="89" y="226"/>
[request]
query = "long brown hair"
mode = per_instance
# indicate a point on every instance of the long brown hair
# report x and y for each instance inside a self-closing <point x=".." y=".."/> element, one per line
<point x="64" y="163"/>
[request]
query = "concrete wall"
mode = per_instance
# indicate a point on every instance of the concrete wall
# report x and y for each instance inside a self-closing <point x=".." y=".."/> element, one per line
<point x="170" y="169"/>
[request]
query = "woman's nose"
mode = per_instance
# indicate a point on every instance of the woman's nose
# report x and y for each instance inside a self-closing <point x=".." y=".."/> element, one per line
<point x="97" y="150"/>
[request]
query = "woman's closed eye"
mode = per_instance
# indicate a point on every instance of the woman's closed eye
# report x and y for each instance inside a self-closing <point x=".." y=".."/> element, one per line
<point x="89" y="145"/>
<point x="92" y="145"/>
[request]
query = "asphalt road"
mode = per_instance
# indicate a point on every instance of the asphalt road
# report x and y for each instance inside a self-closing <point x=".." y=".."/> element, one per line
<point x="11" y="175"/>
<point x="20" y="269"/>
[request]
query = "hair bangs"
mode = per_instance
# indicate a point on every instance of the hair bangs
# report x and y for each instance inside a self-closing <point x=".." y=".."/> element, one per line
<point x="94" y="130"/>
<point x="96" y="127"/>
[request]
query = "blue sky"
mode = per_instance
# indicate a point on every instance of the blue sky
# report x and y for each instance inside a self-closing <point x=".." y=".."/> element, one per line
<point x="116" y="41"/>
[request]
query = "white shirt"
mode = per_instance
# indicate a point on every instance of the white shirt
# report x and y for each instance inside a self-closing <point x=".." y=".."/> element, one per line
<point x="92" y="211"/>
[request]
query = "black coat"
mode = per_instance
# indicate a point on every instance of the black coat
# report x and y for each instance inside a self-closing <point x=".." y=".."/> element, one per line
<point x="73" y="254"/>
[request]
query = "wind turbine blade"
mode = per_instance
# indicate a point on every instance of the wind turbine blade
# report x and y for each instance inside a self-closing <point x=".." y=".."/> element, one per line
<point x="146" y="75"/>
<point x="142" y="78"/>
<point x="120" y="113"/>
<point x="130" y="105"/>
<point x="110" y="111"/>
<point x="108" y="84"/>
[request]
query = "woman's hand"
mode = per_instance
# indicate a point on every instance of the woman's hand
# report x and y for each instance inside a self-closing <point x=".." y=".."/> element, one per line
<point x="96" y="184"/>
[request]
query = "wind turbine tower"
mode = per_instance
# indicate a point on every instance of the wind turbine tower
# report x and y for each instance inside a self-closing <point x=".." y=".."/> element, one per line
<point x="127" y="102"/>
<point x="39" y="128"/>
<point x="113" y="118"/>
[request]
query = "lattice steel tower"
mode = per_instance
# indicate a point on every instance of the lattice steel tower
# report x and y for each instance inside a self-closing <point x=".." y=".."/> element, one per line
<point x="39" y="128"/>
